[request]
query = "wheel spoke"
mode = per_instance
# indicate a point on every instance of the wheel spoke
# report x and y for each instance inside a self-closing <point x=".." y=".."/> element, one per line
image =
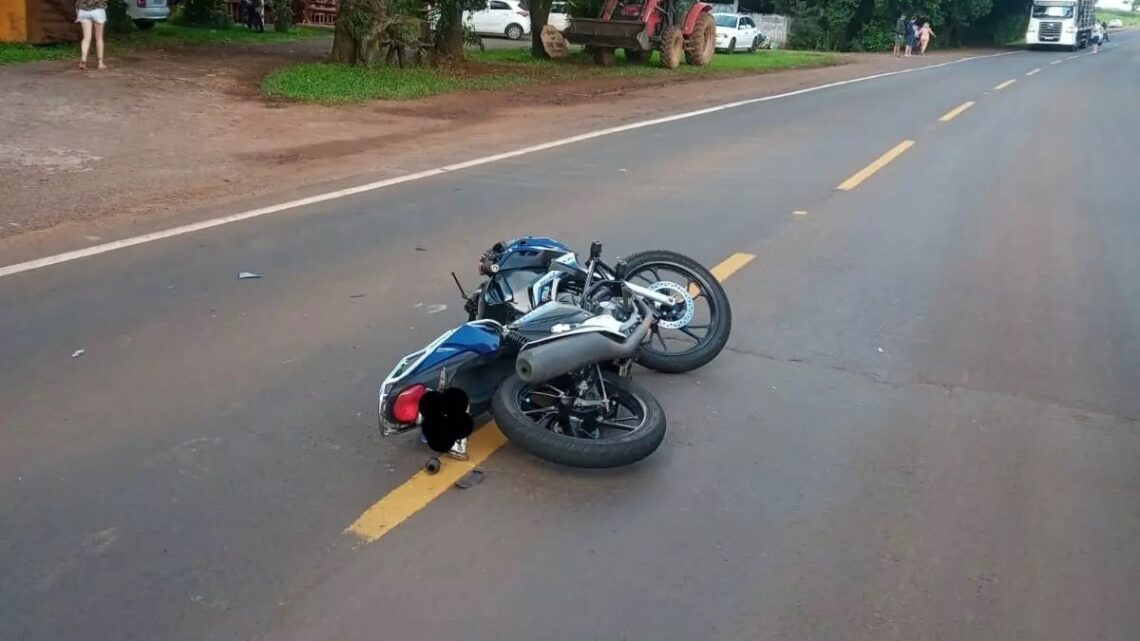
<point x="543" y="410"/>
<point x="618" y="426"/>
<point x="690" y="334"/>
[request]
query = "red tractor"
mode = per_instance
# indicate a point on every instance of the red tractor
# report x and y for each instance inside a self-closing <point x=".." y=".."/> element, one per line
<point x="677" y="28"/>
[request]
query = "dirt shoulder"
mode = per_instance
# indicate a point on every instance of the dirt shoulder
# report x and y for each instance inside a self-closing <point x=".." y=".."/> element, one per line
<point x="167" y="131"/>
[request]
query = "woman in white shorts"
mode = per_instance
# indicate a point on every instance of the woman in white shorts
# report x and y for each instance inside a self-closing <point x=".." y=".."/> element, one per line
<point x="88" y="13"/>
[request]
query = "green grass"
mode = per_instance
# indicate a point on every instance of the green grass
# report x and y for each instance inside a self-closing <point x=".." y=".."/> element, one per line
<point x="329" y="83"/>
<point x="1129" y="18"/>
<point x="16" y="53"/>
<point x="163" y="34"/>
<point x="166" y="33"/>
<point x="497" y="69"/>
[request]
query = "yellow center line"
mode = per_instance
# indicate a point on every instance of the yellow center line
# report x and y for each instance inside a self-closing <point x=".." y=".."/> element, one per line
<point x="869" y="170"/>
<point x="417" y="492"/>
<point x="1004" y="85"/>
<point x="950" y="115"/>
<point x="1033" y="72"/>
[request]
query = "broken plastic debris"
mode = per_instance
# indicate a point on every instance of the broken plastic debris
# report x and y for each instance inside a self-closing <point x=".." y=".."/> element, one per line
<point x="77" y="353"/>
<point x="435" y="309"/>
<point x="880" y="350"/>
<point x="245" y="275"/>
<point x="356" y="295"/>
<point x="623" y="170"/>
<point x="470" y="480"/>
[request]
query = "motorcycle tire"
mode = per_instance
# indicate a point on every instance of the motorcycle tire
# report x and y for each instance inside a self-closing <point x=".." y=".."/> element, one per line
<point x="715" y="340"/>
<point x="571" y="451"/>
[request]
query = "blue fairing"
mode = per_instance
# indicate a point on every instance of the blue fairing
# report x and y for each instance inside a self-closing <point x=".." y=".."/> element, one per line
<point x="537" y="242"/>
<point x="467" y="340"/>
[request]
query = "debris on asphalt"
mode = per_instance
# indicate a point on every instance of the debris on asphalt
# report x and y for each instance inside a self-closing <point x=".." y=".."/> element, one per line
<point x="881" y="350"/>
<point x="470" y="480"/>
<point x="420" y="249"/>
<point x="435" y="309"/>
<point x="356" y="295"/>
<point x="246" y="275"/>
<point x="77" y="353"/>
<point x="623" y="170"/>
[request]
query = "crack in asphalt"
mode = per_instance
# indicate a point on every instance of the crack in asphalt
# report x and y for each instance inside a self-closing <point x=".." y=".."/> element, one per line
<point x="1078" y="413"/>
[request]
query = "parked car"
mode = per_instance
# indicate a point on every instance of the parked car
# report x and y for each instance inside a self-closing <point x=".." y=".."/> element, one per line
<point x="736" y="33"/>
<point x="559" y="16"/>
<point x="1116" y="23"/>
<point x="145" y="13"/>
<point x="500" y="18"/>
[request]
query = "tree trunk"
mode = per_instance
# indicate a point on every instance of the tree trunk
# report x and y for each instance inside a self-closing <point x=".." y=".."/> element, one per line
<point x="539" y="15"/>
<point x="449" y="40"/>
<point x="344" y="48"/>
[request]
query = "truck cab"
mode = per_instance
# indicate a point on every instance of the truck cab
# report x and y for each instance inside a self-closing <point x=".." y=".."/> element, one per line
<point x="1060" y="23"/>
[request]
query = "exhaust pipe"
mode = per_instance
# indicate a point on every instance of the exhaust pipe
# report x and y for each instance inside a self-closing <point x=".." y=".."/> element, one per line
<point x="544" y="362"/>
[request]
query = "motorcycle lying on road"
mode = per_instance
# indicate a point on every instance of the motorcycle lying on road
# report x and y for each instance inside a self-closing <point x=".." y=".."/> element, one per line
<point x="554" y="370"/>
<point x="556" y="381"/>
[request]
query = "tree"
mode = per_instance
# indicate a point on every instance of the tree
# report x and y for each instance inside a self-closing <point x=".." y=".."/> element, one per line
<point x="450" y="34"/>
<point x="539" y="15"/>
<point x="364" y="27"/>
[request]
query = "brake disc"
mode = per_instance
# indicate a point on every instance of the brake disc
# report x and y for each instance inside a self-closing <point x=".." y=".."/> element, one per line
<point x="678" y="292"/>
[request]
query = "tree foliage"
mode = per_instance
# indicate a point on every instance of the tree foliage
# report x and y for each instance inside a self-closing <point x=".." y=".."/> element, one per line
<point x="869" y="24"/>
<point x="364" y="28"/>
<point x="203" y="13"/>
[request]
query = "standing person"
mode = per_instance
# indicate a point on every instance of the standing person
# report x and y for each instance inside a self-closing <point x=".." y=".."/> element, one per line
<point x="1097" y="36"/>
<point x="1104" y="28"/>
<point x="911" y="37"/>
<point x="259" y="15"/>
<point x="924" y="36"/>
<point x="91" y="16"/>
<point x="900" y="34"/>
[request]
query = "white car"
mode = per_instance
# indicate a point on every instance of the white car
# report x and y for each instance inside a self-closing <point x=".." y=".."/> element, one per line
<point x="1116" y="23"/>
<point x="736" y="33"/>
<point x="145" y="13"/>
<point x="559" y="16"/>
<point x="500" y="18"/>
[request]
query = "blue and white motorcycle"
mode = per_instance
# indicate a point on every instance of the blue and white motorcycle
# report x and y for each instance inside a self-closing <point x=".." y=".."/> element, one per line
<point x="556" y="381"/>
<point x="552" y="364"/>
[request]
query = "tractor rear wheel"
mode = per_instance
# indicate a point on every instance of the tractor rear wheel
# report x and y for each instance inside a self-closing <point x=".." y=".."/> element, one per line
<point x="701" y="44"/>
<point x="672" y="48"/>
<point x="604" y="56"/>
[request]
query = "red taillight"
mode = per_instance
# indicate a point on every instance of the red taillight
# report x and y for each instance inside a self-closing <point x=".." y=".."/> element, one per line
<point x="142" y="4"/>
<point x="406" y="409"/>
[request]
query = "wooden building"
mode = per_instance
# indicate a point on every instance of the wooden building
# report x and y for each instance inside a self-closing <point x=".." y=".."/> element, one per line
<point x="38" y="21"/>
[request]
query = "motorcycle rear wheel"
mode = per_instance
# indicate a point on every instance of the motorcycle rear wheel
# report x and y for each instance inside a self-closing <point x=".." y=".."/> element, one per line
<point x="519" y="411"/>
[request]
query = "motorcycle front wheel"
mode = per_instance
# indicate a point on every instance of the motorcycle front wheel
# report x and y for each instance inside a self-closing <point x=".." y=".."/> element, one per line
<point x="622" y="424"/>
<point x="687" y="338"/>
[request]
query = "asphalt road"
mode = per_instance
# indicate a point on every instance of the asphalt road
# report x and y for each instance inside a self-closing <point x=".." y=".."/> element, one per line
<point x="925" y="426"/>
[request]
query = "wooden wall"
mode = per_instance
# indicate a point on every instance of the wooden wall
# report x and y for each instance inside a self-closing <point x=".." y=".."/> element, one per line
<point x="38" y="21"/>
<point x="13" y="21"/>
<point x="52" y="21"/>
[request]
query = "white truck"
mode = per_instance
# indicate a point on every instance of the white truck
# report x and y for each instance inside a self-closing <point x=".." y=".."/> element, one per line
<point x="1060" y="23"/>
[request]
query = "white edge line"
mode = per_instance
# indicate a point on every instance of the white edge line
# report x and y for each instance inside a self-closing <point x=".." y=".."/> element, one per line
<point x="1035" y="71"/>
<point x="87" y="252"/>
<point x="1057" y="62"/>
